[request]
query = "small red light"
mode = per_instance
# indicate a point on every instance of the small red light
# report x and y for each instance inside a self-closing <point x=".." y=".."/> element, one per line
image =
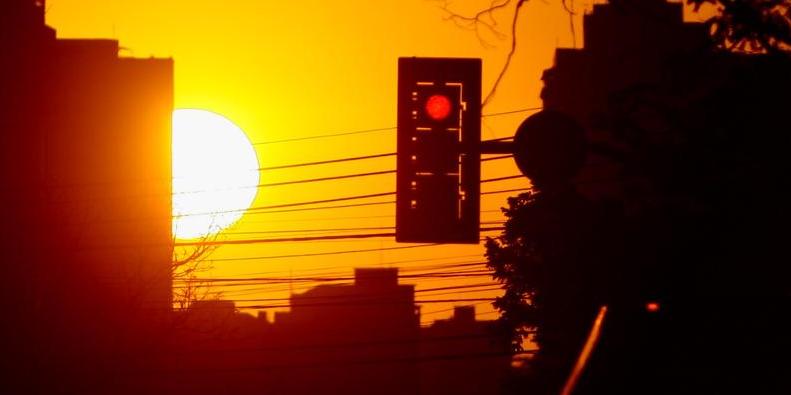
<point x="438" y="107"/>
<point x="652" y="307"/>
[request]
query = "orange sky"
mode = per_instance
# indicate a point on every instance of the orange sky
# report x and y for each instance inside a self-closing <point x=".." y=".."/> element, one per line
<point x="286" y="69"/>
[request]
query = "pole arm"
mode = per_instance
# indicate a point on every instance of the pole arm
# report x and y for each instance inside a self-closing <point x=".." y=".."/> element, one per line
<point x="497" y="147"/>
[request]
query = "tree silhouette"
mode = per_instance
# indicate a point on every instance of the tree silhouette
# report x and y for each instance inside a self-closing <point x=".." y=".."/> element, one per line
<point x="555" y="259"/>
<point x="750" y="25"/>
<point x="188" y="262"/>
<point x="696" y="227"/>
<point x="701" y="179"/>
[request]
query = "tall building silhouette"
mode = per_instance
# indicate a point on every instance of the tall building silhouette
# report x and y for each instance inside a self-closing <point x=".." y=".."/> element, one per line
<point x="687" y="158"/>
<point x="86" y="231"/>
<point x="629" y="48"/>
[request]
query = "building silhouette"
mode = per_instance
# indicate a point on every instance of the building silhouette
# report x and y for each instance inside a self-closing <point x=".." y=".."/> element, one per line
<point x="374" y="321"/>
<point x="629" y="49"/>
<point x="687" y="142"/>
<point x="462" y="355"/>
<point x="357" y="338"/>
<point x="85" y="166"/>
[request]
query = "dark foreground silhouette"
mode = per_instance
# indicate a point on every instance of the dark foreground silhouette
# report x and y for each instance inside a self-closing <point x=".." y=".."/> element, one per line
<point x="676" y="221"/>
<point x="682" y="202"/>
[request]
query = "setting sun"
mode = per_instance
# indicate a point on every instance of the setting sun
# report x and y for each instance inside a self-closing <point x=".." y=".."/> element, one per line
<point x="215" y="173"/>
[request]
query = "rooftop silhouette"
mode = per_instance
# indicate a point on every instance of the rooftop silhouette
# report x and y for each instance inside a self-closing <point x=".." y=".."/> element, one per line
<point x="353" y="339"/>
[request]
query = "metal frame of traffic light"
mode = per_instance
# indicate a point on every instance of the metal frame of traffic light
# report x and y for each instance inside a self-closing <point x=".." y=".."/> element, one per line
<point x="439" y="150"/>
<point x="438" y="178"/>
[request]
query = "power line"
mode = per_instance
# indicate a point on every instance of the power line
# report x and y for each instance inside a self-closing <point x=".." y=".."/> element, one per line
<point x="323" y="253"/>
<point x="317" y="238"/>
<point x="256" y="288"/>
<point x="383" y="129"/>
<point x="240" y="282"/>
<point x="401" y="270"/>
<point x="256" y="258"/>
<point x="263" y="211"/>
<point x="519" y="111"/>
<point x="471" y="272"/>
<point x="289" y="166"/>
<point x="320" y="279"/>
<point x="307" y="203"/>
<point x="457" y="289"/>
<point x="357" y="175"/>
<point x="467" y="288"/>
<point x="365" y="303"/>
<point x="325" y="162"/>
<point x="316" y="219"/>
<point x="506" y="191"/>
<point x="259" y="287"/>
<point x="240" y="290"/>
<point x="281" y="240"/>
<point x="267" y="185"/>
<point x="341" y="177"/>
<point x="310" y="180"/>
<point x="322" y="136"/>
<point x="326" y="230"/>
<point x="311" y="282"/>
<point x="299" y="239"/>
<point x="237" y="290"/>
<point x="313" y="230"/>
<point x="496" y="158"/>
<point x="503" y="178"/>
<point x="356" y="158"/>
<point x="324" y="208"/>
<point x="339" y="199"/>
<point x="373" y="156"/>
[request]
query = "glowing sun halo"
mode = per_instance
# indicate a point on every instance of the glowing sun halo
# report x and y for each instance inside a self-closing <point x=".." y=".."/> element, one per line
<point x="214" y="173"/>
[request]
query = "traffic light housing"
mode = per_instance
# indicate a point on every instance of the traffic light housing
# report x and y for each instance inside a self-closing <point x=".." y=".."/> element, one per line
<point x="439" y="132"/>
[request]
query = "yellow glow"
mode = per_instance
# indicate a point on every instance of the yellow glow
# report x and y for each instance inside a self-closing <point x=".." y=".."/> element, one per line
<point x="214" y="173"/>
<point x="292" y="69"/>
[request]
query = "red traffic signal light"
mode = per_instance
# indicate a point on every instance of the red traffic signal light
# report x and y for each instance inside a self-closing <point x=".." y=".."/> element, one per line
<point x="438" y="107"/>
<point x="652" y="307"/>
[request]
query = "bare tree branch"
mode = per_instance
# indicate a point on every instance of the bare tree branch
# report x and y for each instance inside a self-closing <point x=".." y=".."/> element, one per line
<point x="186" y="266"/>
<point x="568" y="6"/>
<point x="508" y="57"/>
<point x="485" y="19"/>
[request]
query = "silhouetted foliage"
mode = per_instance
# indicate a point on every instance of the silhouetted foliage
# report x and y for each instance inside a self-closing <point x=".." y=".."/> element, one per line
<point x="555" y="259"/>
<point x="750" y="25"/>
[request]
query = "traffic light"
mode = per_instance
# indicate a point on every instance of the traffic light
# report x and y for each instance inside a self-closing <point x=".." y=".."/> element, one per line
<point x="439" y="132"/>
